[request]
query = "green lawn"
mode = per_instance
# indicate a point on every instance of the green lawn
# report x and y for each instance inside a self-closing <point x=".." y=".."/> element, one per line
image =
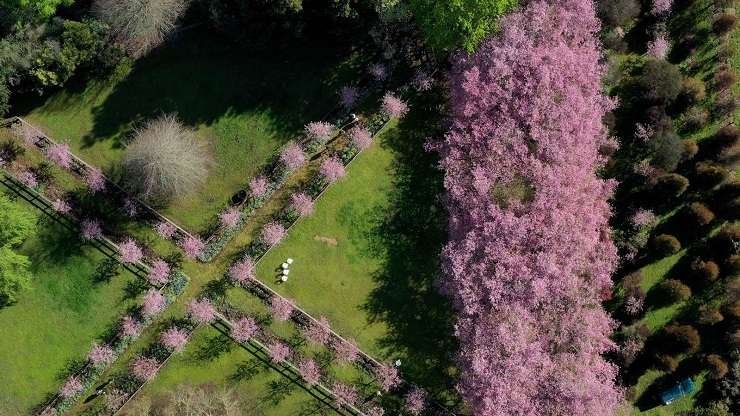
<point x="57" y="319"/>
<point x="245" y="101"/>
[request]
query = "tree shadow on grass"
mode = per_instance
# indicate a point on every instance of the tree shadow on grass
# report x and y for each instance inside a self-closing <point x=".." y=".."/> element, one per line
<point x="211" y="349"/>
<point x="410" y="237"/>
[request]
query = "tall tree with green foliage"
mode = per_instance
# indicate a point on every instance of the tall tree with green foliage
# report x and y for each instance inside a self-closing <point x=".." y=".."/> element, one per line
<point x="29" y="11"/>
<point x="456" y="24"/>
<point x="16" y="225"/>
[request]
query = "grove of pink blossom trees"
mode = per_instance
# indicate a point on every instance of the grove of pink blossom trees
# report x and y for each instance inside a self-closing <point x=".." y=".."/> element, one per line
<point x="530" y="252"/>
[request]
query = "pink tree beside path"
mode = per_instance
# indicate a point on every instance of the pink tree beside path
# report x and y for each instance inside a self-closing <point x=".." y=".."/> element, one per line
<point x="361" y="137"/>
<point x="318" y="332"/>
<point x="346" y="351"/>
<point x="144" y="368"/>
<point x="61" y="206"/>
<point x="242" y="271"/>
<point x="293" y="157"/>
<point x="101" y="354"/>
<point x="154" y="303"/>
<point x="415" y="401"/>
<point x="301" y="203"/>
<point x="28" y="178"/>
<point x="165" y="229"/>
<point x="332" y="169"/>
<point x="258" y="186"/>
<point x="244" y="329"/>
<point x="174" y="339"/>
<point x="280" y="308"/>
<point x="202" y="311"/>
<point x="530" y="252"/>
<point x="91" y="229"/>
<point x="309" y="371"/>
<point x="230" y="218"/>
<point x="71" y="387"/>
<point x="192" y="246"/>
<point x="59" y="153"/>
<point x="344" y="394"/>
<point x="319" y="130"/>
<point x="394" y="107"/>
<point x="388" y="377"/>
<point x="130" y="251"/>
<point x="159" y="273"/>
<point x="348" y="96"/>
<point x="273" y="233"/>
<point x="94" y="179"/>
<point x="278" y="352"/>
<point x="130" y="327"/>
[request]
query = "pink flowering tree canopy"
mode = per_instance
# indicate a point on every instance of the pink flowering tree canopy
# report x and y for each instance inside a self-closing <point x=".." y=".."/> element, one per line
<point x="348" y="96"/>
<point x="393" y="107"/>
<point x="378" y="71"/>
<point x="273" y="233"/>
<point x="91" y="229"/>
<point x="280" y="308"/>
<point x="415" y="401"/>
<point x="101" y="355"/>
<point x="278" y="352"/>
<point x="318" y="332"/>
<point x="388" y="377"/>
<point x="174" y="339"/>
<point x="94" y="179"/>
<point x="310" y="371"/>
<point x="659" y="46"/>
<point x="130" y="251"/>
<point x="71" y="388"/>
<point x="242" y="271"/>
<point x="301" y="203"/>
<point x="130" y="327"/>
<point x="202" y="311"/>
<point x="28" y="178"/>
<point x="244" y="329"/>
<point x="344" y="394"/>
<point x="529" y="217"/>
<point x="165" y="229"/>
<point x="346" y="351"/>
<point x="154" y="303"/>
<point x="159" y="272"/>
<point x="61" y="206"/>
<point x="258" y="186"/>
<point x="192" y="246"/>
<point x="319" y="130"/>
<point x="230" y="218"/>
<point x="293" y="157"/>
<point x="332" y="169"/>
<point x="59" y="154"/>
<point x="361" y="137"/>
<point x="144" y="368"/>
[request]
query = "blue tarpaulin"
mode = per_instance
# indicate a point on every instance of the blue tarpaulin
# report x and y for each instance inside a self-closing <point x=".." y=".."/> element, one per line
<point x="681" y="389"/>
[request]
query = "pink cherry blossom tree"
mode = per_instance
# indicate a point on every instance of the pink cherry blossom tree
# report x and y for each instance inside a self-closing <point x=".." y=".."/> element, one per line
<point x="393" y="107"/>
<point x="59" y="153"/>
<point x="242" y="271"/>
<point x="661" y="7"/>
<point x="346" y="351"/>
<point x="530" y="252"/>
<point x="115" y="399"/>
<point x="344" y="394"/>
<point x="159" y="272"/>
<point x="378" y="71"/>
<point x="165" y="229"/>
<point x="94" y="179"/>
<point x="144" y="368"/>
<point x="244" y="329"/>
<point x="202" y="311"/>
<point x="154" y="303"/>
<point x="375" y="411"/>
<point x="348" y="96"/>
<point x="91" y="229"/>
<point x="192" y="246"/>
<point x="388" y="377"/>
<point x="130" y="251"/>
<point x="659" y="46"/>
<point x="61" y="206"/>
<point x="71" y="388"/>
<point x="174" y="339"/>
<point x="258" y="186"/>
<point x="309" y="371"/>
<point x="332" y="169"/>
<point x="130" y="207"/>
<point x="319" y="130"/>
<point x="423" y="81"/>
<point x="230" y="218"/>
<point x="643" y="218"/>
<point x="278" y="352"/>
<point x="361" y="137"/>
<point x="273" y="233"/>
<point x="281" y="308"/>
<point x="301" y="203"/>
<point x="28" y="179"/>
<point x="130" y="327"/>
<point x="318" y="332"/>
<point x="101" y="355"/>
<point x="415" y="401"/>
<point x="293" y="157"/>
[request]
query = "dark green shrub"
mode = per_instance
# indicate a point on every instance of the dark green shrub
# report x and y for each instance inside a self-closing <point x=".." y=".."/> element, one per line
<point x="708" y="315"/>
<point x="667" y="149"/>
<point x="44" y="173"/>
<point x="717" y="367"/>
<point x="732" y="265"/>
<point x="672" y="291"/>
<point x="695" y="119"/>
<point x="682" y="338"/>
<point x="670" y="185"/>
<point x="698" y="214"/>
<point x="732" y="310"/>
<point x="724" y="24"/>
<point x="632" y="280"/>
<point x="617" y="12"/>
<point x="726" y="242"/>
<point x="704" y="271"/>
<point x="725" y="78"/>
<point x="666" y="245"/>
<point x="707" y="175"/>
<point x="660" y="82"/>
<point x="694" y="91"/>
<point x="725" y="104"/>
<point x="4" y="98"/>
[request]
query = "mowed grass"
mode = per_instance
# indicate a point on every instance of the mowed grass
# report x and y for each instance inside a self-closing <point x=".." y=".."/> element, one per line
<point x="244" y="100"/>
<point x="212" y="360"/>
<point x="57" y="319"/>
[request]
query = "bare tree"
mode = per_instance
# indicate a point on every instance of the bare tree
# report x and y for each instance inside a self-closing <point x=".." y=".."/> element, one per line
<point x="140" y="25"/>
<point x="165" y="161"/>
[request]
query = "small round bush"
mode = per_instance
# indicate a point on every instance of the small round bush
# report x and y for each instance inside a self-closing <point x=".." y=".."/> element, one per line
<point x="690" y="149"/>
<point x="660" y="82"/>
<point x="682" y="338"/>
<point x="667" y="149"/>
<point x="725" y="78"/>
<point x="732" y="265"/>
<point x="704" y="271"/>
<point x="717" y="367"/>
<point x="725" y="138"/>
<point x="725" y="104"/>
<point x="673" y="290"/>
<point x="632" y="281"/>
<point x="708" y="315"/>
<point x="698" y="214"/>
<point x="667" y="363"/>
<point x="707" y="175"/>
<point x="670" y="185"/>
<point x="695" y="119"/>
<point x="666" y="245"/>
<point x="694" y="91"/>
<point x="724" y="24"/>
<point x="725" y="243"/>
<point x="732" y="310"/>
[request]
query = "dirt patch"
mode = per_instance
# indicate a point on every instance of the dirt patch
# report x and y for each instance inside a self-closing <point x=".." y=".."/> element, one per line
<point x="326" y="240"/>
